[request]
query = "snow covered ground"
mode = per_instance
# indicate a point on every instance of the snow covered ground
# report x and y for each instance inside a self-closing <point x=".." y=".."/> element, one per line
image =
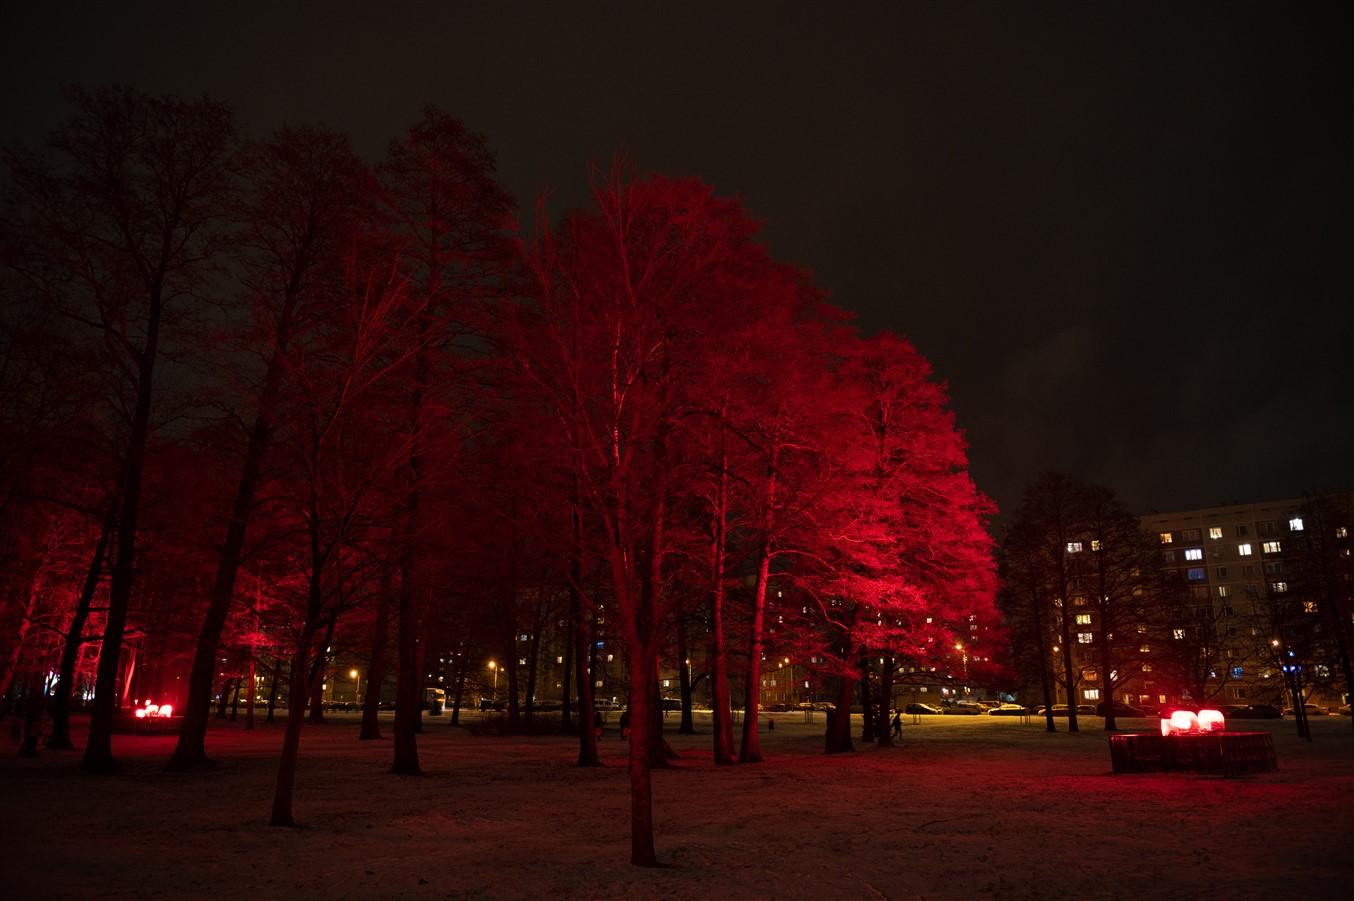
<point x="967" y="807"/>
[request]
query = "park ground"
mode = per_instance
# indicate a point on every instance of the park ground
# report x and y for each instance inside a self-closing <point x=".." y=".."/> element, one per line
<point x="966" y="807"/>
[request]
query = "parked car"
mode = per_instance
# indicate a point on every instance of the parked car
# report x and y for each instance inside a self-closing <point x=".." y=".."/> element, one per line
<point x="1252" y="712"/>
<point x="964" y="708"/>
<point x="1008" y="710"/>
<point x="1344" y="711"/>
<point x="923" y="709"/>
<point x="1120" y="709"/>
<point x="1310" y="709"/>
<point x="672" y="704"/>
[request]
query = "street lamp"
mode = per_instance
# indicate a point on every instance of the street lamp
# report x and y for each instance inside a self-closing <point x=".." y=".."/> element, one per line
<point x="493" y="667"/>
<point x="357" y="687"/>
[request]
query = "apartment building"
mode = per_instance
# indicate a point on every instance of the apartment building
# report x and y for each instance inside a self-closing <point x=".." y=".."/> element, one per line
<point x="1239" y="564"/>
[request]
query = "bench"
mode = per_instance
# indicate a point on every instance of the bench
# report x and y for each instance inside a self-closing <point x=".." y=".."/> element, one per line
<point x="1213" y="753"/>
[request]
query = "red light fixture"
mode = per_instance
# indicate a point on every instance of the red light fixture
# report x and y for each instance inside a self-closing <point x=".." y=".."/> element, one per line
<point x="1209" y="721"/>
<point x="1187" y="722"/>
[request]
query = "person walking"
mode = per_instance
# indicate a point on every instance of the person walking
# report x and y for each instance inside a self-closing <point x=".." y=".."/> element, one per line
<point x="898" y="724"/>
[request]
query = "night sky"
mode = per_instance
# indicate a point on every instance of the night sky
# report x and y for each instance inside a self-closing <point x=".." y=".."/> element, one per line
<point x="1121" y="233"/>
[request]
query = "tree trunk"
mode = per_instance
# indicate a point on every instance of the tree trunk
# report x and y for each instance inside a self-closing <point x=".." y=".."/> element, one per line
<point x="688" y="725"/>
<point x="291" y="742"/>
<point x="641" y="738"/>
<point x="462" y="670"/>
<point x="75" y="637"/>
<point x="191" y="752"/>
<point x="35" y="700"/>
<point x="1045" y="677"/>
<point x="534" y="649"/>
<point x="253" y="690"/>
<point x="566" y="720"/>
<point x="425" y="636"/>
<point x="750" y="751"/>
<point x="226" y="686"/>
<point x="866" y="702"/>
<point x="882" y="729"/>
<point x="408" y="684"/>
<point x="272" y="688"/>
<point x="315" y="708"/>
<point x="1068" y="672"/>
<point x="98" y="756"/>
<point x="719" y="663"/>
<point x="587" y="734"/>
<point x="376" y="666"/>
<point x="837" y="739"/>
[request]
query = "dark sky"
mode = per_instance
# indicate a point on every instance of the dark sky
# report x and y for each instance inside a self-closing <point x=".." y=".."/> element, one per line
<point x="1121" y="232"/>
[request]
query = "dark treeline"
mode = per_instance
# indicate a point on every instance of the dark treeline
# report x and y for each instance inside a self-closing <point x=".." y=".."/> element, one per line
<point x="267" y="405"/>
<point x="1094" y="603"/>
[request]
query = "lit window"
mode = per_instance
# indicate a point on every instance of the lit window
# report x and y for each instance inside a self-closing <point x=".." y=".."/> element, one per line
<point x="1144" y="649"/>
<point x="521" y="661"/>
<point x="1165" y="537"/>
<point x="1074" y="547"/>
<point x="1196" y="574"/>
<point x="1341" y="532"/>
<point x="1147" y="667"/>
<point x="1278" y="587"/>
<point x="1091" y="694"/>
<point x="1083" y="638"/>
<point x="1095" y="544"/>
<point x="1177" y="634"/>
<point x="1244" y="550"/>
<point x="1295" y="524"/>
<point x="1309" y="606"/>
<point x="1083" y="619"/>
<point x="1224" y="591"/>
<point x="1215" y="532"/>
<point x="1194" y="553"/>
<point x="1271" y="547"/>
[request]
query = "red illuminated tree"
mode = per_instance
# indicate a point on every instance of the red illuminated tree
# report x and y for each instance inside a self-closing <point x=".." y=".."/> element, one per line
<point x="123" y="221"/>
<point x="306" y="191"/>
<point x="906" y="565"/>
<point x="339" y="464"/>
<point x="448" y="217"/>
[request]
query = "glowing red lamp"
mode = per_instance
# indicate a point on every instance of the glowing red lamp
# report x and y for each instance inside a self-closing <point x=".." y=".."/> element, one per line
<point x="141" y="713"/>
<point x="1187" y="722"/>
<point x="166" y="710"/>
<point x="1209" y="721"/>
